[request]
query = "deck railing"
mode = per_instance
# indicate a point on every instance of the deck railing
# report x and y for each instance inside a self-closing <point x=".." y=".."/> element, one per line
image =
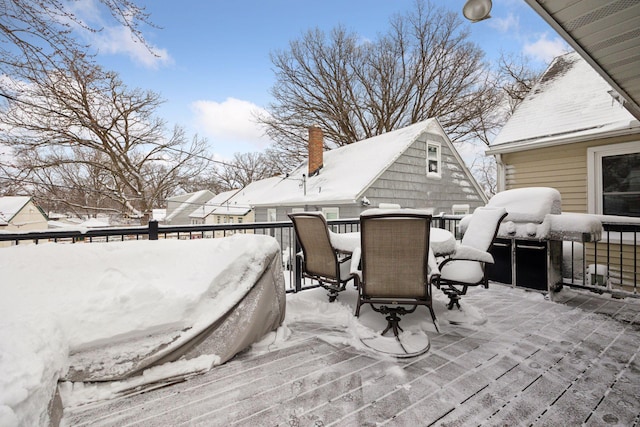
<point x="610" y="265"/>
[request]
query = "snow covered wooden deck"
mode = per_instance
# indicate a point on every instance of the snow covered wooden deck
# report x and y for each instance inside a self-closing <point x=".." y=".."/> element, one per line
<point x="533" y="363"/>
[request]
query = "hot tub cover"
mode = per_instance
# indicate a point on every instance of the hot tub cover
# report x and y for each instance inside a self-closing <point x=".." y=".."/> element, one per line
<point x="110" y="311"/>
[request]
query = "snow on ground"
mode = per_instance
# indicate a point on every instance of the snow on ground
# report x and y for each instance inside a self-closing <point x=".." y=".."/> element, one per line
<point x="57" y="299"/>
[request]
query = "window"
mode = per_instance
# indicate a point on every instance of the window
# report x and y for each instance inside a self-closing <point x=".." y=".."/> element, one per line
<point x="614" y="179"/>
<point x="297" y="210"/>
<point x="331" y="213"/>
<point x="433" y="160"/>
<point x="460" y="209"/>
<point x="239" y="220"/>
<point x="271" y="215"/>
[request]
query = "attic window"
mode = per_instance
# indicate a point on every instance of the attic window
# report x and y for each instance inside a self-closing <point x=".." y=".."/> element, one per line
<point x="433" y="160"/>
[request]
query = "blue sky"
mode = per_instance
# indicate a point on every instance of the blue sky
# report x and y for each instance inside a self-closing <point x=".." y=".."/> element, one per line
<point x="212" y="61"/>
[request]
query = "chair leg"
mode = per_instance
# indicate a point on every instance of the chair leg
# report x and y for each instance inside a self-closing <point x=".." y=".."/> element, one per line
<point x="393" y="323"/>
<point x="433" y="318"/>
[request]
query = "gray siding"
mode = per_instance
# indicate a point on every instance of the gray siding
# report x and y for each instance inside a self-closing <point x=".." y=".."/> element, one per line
<point x="406" y="182"/>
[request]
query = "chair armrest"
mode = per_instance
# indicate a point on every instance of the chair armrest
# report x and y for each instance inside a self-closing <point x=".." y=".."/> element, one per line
<point x="355" y="262"/>
<point x="468" y="253"/>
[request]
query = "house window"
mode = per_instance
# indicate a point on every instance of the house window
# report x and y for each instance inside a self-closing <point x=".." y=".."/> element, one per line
<point x="297" y="210"/>
<point x="460" y="209"/>
<point x="271" y="215"/>
<point x="614" y="179"/>
<point x="239" y="220"/>
<point x="434" y="163"/>
<point x="331" y="213"/>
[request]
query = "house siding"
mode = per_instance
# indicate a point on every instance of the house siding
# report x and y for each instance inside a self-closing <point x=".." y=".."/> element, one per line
<point x="407" y="184"/>
<point x="563" y="167"/>
<point x="29" y="218"/>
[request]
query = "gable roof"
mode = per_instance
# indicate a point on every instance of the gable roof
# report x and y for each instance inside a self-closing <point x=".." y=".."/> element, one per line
<point x="252" y="194"/>
<point x="213" y="204"/>
<point x="10" y="206"/>
<point x="571" y="101"/>
<point x="187" y="203"/>
<point x="605" y="33"/>
<point x="348" y="171"/>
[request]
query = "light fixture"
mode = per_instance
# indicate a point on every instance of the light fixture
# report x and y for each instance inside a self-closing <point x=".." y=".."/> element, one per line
<point x="477" y="10"/>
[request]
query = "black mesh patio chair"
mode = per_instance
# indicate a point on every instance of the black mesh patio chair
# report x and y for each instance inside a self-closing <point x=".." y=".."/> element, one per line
<point x="320" y="260"/>
<point x="395" y="264"/>
<point x="467" y="265"/>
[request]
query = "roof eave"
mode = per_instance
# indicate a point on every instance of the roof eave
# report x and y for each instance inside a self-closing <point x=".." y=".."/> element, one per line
<point x="550" y="141"/>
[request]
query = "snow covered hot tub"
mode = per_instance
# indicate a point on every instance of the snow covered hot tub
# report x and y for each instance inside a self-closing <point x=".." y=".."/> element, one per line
<point x="528" y="247"/>
<point x="85" y="322"/>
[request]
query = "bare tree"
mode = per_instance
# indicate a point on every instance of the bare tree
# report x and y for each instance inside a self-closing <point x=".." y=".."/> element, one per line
<point x="517" y="78"/>
<point x="38" y="35"/>
<point x="423" y="66"/>
<point x="244" y="169"/>
<point x="83" y="130"/>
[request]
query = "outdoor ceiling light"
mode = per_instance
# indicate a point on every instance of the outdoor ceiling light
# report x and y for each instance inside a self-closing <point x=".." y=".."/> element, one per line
<point x="477" y="10"/>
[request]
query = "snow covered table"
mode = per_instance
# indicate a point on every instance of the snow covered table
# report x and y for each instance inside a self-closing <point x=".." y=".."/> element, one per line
<point x="442" y="242"/>
<point x="115" y="311"/>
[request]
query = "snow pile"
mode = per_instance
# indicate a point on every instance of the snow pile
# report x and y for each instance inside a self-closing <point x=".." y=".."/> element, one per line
<point x="59" y="299"/>
<point x="530" y="204"/>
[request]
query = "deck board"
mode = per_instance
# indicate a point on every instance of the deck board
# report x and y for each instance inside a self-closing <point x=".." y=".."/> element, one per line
<point x="539" y="363"/>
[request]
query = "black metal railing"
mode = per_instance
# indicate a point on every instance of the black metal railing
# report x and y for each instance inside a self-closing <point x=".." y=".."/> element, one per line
<point x="282" y="231"/>
<point x="609" y="265"/>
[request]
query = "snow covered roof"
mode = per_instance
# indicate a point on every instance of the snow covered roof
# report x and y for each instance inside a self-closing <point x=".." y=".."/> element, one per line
<point x="252" y="194"/>
<point x="347" y="172"/>
<point x="570" y="101"/>
<point x="213" y="204"/>
<point x="187" y="202"/>
<point x="10" y="206"/>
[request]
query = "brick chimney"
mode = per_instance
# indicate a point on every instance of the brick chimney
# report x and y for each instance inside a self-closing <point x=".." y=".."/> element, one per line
<point x="316" y="147"/>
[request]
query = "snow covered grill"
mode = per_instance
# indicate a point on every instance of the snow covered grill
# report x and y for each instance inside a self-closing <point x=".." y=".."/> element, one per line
<point x="528" y="247"/>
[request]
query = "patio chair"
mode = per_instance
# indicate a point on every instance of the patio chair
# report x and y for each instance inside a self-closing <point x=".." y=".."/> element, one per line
<point x="394" y="252"/>
<point x="320" y="260"/>
<point x="466" y="266"/>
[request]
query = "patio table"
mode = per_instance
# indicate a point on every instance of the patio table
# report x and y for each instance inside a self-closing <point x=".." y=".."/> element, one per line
<point x="442" y="242"/>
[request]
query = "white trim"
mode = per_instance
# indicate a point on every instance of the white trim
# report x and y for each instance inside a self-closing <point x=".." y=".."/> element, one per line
<point x="625" y="128"/>
<point x="594" y="170"/>
<point x="438" y="147"/>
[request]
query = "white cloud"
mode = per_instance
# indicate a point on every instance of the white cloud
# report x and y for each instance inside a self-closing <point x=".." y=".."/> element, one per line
<point x="114" y="39"/>
<point x="504" y="25"/>
<point x="231" y="121"/>
<point x="119" y="40"/>
<point x="544" y="49"/>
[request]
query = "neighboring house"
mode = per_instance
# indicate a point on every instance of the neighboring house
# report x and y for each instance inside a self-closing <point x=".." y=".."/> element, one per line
<point x="413" y="167"/>
<point x="19" y="213"/>
<point x="211" y="211"/>
<point x="571" y="133"/>
<point x="180" y="207"/>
